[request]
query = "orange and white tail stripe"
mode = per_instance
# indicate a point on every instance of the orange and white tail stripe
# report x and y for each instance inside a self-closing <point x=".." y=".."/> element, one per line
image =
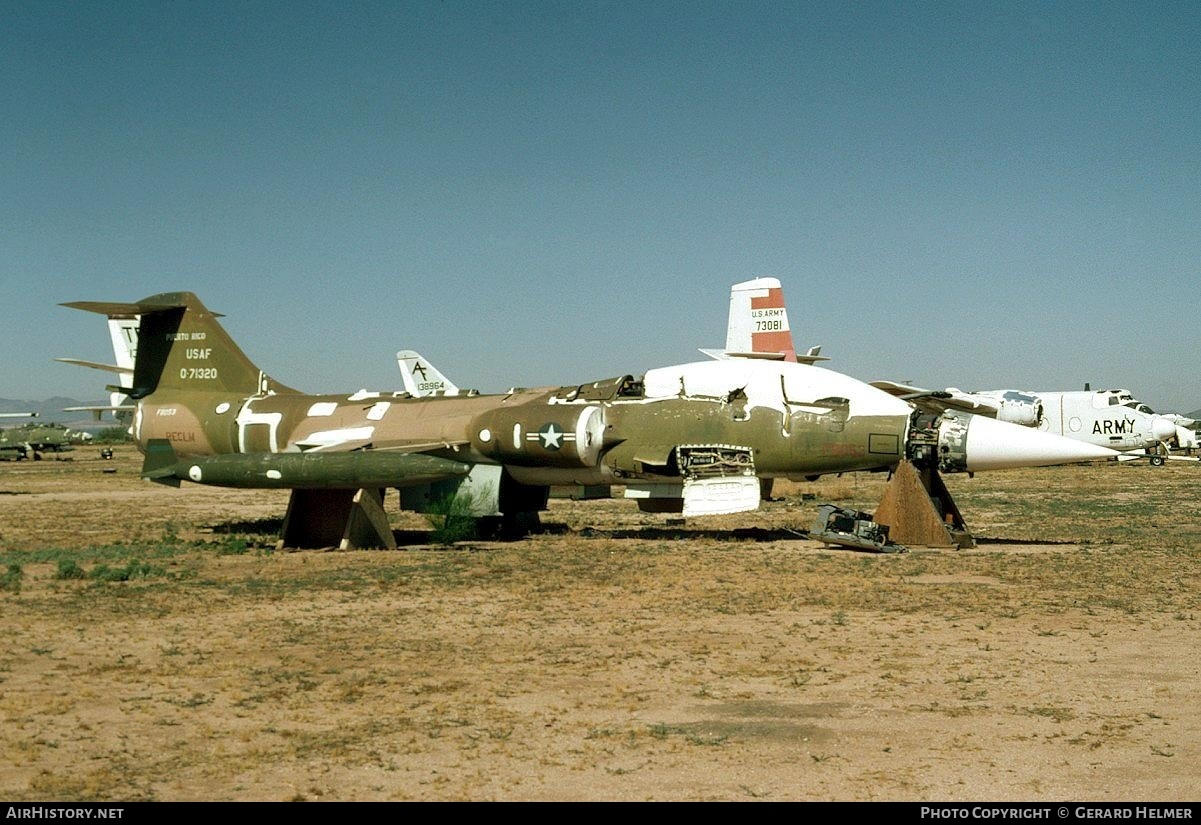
<point x="758" y="320"/>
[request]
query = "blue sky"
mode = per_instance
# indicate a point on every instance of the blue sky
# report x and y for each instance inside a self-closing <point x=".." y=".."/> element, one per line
<point x="969" y="194"/>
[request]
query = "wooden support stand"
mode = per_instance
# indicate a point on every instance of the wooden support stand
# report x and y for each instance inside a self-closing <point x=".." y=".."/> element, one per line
<point x="919" y="510"/>
<point x="346" y="519"/>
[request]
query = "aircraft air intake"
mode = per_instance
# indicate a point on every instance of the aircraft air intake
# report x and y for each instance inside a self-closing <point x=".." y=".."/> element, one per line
<point x="539" y="434"/>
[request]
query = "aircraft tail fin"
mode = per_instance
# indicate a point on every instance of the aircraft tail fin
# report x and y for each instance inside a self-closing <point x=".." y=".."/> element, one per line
<point x="421" y="378"/>
<point x="177" y="345"/>
<point x="758" y="320"/>
<point x="758" y="326"/>
<point x="123" y="329"/>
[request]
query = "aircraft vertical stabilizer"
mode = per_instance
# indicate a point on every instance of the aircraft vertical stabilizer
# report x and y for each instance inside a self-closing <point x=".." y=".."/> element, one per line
<point x="421" y="378"/>
<point x="758" y="325"/>
<point x="758" y="320"/>
<point x="180" y="346"/>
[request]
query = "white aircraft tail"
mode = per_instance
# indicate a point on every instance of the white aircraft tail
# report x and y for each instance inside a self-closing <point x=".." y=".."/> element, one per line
<point x="123" y="330"/>
<point x="758" y="322"/>
<point x="421" y="378"/>
<point x="758" y="325"/>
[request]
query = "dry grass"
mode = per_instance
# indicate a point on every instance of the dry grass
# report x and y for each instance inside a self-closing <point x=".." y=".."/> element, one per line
<point x="629" y="661"/>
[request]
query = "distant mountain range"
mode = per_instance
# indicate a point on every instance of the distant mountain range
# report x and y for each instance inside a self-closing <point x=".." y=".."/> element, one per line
<point x="1194" y="414"/>
<point x="52" y="410"/>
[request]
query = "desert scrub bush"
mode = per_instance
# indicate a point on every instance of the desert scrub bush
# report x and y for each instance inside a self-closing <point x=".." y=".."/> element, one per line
<point x="133" y="569"/>
<point x="233" y="546"/>
<point x="451" y="520"/>
<point x="11" y="580"/>
<point x="113" y="435"/>
<point x="69" y="569"/>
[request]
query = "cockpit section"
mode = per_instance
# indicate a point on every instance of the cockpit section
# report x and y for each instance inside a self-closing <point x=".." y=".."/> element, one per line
<point x="1114" y="398"/>
<point x="1139" y="406"/>
<point x="607" y="389"/>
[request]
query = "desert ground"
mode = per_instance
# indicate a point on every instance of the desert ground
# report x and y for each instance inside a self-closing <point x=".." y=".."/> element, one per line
<point x="156" y="646"/>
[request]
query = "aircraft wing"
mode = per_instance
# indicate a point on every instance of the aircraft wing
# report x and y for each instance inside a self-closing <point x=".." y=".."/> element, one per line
<point x="347" y="446"/>
<point x="358" y="443"/>
<point x="938" y="401"/>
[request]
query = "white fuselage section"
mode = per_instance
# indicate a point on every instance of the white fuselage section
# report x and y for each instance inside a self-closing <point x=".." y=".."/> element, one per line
<point x="1107" y="418"/>
<point x="777" y="385"/>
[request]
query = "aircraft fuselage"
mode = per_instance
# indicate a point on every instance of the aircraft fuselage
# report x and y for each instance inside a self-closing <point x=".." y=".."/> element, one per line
<point x="787" y="419"/>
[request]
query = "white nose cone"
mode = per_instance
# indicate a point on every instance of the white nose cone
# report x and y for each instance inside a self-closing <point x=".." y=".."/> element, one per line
<point x="997" y="445"/>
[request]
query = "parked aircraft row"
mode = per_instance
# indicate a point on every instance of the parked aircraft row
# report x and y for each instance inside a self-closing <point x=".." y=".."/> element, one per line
<point x="33" y="439"/>
<point x="691" y="438"/>
<point x="758" y="328"/>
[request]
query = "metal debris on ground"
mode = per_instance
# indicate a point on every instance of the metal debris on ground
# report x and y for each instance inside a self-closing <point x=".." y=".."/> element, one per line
<point x="852" y="528"/>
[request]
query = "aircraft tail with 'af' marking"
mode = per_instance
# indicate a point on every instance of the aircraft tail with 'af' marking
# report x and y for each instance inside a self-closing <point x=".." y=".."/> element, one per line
<point x="178" y="345"/>
<point x="421" y="378"/>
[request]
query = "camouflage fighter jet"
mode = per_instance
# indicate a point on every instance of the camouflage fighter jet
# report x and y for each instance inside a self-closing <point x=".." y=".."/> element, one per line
<point x="691" y="438"/>
<point x="31" y="440"/>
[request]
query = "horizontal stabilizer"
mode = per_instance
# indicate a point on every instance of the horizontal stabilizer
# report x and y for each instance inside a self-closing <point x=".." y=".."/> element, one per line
<point x="103" y="408"/>
<point x="99" y="410"/>
<point x="723" y="355"/>
<point x="763" y="356"/>
<point x="155" y="303"/>
<point x="76" y="362"/>
<point x="104" y="307"/>
<point x="811" y="356"/>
